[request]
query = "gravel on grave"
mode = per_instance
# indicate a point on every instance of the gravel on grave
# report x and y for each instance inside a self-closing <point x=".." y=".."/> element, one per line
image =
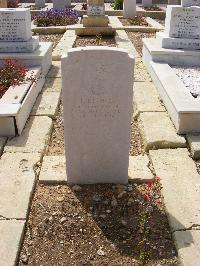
<point x="56" y="146"/>
<point x="55" y="38"/>
<point x="82" y="41"/>
<point x="190" y="76"/>
<point x="95" y="225"/>
<point x="136" y="39"/>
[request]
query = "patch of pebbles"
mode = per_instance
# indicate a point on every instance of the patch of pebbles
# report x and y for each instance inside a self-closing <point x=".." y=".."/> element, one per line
<point x="190" y="76"/>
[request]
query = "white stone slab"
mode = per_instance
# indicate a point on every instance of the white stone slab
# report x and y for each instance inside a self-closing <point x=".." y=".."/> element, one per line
<point x="97" y="114"/>
<point x="15" y="24"/>
<point x="11" y="232"/>
<point x="152" y="51"/>
<point x="129" y="8"/>
<point x="34" y="137"/>
<point x="20" y="47"/>
<point x="53" y="170"/>
<point x="188" y="3"/>
<point x="182" y="22"/>
<point x="17" y="181"/>
<point x="188" y="246"/>
<point x="182" y="107"/>
<point x="40" y="57"/>
<point x="181" y="186"/>
<point x="138" y="168"/>
<point x="177" y="43"/>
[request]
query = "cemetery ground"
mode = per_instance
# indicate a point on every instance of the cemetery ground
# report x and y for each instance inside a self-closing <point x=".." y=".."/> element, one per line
<point x="97" y="224"/>
<point x="129" y="224"/>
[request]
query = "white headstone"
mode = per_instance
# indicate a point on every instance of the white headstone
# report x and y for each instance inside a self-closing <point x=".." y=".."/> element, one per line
<point x="188" y="3"/>
<point x="61" y="4"/>
<point x="182" y="22"/>
<point x="40" y="3"/>
<point x="129" y="8"/>
<point x="97" y="100"/>
<point x="15" y="24"/>
<point x="146" y="3"/>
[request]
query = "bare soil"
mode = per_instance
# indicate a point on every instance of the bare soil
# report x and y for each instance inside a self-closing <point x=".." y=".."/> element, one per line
<point x="82" y="41"/>
<point x="136" y="21"/>
<point x="136" y="39"/>
<point x="100" y="225"/>
<point x="55" y="38"/>
<point x="96" y="225"/>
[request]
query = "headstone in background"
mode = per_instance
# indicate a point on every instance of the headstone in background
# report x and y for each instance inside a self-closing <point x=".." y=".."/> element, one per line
<point x="40" y="3"/>
<point x="3" y="4"/>
<point x="15" y="31"/>
<point x="95" y="22"/>
<point x="188" y="3"/>
<point x="97" y="114"/>
<point x="146" y="3"/>
<point x="129" y="8"/>
<point x="182" y="28"/>
<point x="173" y="2"/>
<point x="61" y="4"/>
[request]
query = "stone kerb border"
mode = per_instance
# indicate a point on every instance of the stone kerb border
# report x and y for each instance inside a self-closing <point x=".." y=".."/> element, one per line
<point x="154" y="27"/>
<point x="153" y="14"/>
<point x="182" y="107"/>
<point x="68" y="39"/>
<point x="16" y="105"/>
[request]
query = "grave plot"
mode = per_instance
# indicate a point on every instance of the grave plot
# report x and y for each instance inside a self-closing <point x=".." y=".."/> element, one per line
<point x="178" y="46"/>
<point x="25" y="59"/>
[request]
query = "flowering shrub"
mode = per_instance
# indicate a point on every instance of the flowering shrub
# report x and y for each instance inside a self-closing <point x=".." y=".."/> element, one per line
<point x="84" y="6"/>
<point x="12" y="3"/>
<point x="53" y="17"/>
<point x="12" y="73"/>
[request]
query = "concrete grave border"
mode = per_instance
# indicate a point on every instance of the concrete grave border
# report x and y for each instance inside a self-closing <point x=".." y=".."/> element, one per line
<point x="182" y="107"/>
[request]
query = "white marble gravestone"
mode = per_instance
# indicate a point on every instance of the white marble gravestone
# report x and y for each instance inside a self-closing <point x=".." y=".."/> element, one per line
<point x="182" y="28"/>
<point x="61" y="4"/>
<point x="129" y="8"/>
<point x="15" y="31"/>
<point x="97" y="100"/>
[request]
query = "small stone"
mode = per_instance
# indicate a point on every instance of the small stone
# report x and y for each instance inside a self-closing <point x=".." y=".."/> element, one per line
<point x="103" y="216"/>
<point x="100" y="252"/>
<point x="121" y="194"/>
<point x="108" y="211"/>
<point x="63" y="220"/>
<point x="24" y="259"/>
<point x="50" y="218"/>
<point x="114" y="202"/>
<point x="54" y="213"/>
<point x="61" y="242"/>
<point x="96" y="198"/>
<point x="76" y="188"/>
<point x="124" y="222"/>
<point x="129" y="188"/>
<point x="60" y="199"/>
<point x="130" y="202"/>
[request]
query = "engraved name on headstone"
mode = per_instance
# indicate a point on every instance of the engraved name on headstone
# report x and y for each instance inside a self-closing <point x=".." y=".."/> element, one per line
<point x="96" y="8"/>
<point x="15" y="24"/>
<point x="182" y="22"/>
<point x="188" y="3"/>
<point x="97" y="114"/>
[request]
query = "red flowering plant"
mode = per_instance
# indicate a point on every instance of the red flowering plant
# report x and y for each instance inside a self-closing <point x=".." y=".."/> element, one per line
<point x="150" y="200"/>
<point x="13" y="73"/>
